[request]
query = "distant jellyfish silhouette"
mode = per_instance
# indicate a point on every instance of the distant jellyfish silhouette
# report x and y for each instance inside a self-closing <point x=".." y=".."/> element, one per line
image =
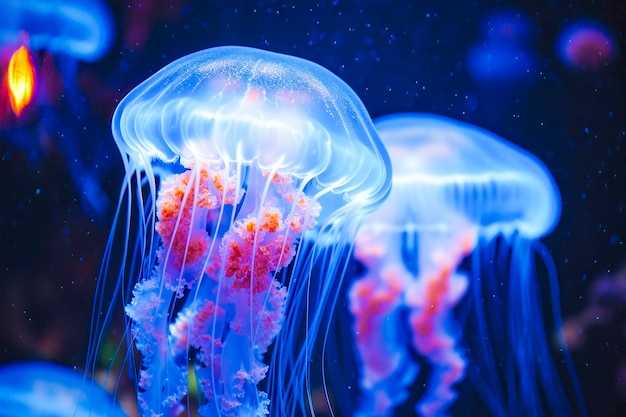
<point x="68" y="32"/>
<point x="457" y="191"/>
<point x="71" y="30"/>
<point x="245" y="169"/>
<point x="586" y="45"/>
<point x="78" y="29"/>
<point x="503" y="54"/>
<point x="43" y="389"/>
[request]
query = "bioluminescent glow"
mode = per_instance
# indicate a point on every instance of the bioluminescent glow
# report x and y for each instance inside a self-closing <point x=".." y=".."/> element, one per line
<point x="65" y="33"/>
<point x="79" y="29"/>
<point x="20" y="79"/>
<point x="586" y="45"/>
<point x="460" y="196"/>
<point x="245" y="169"/>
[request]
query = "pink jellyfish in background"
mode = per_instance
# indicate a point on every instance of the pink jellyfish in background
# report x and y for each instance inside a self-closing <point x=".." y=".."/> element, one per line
<point x="246" y="169"/>
<point x="503" y="53"/>
<point x="586" y="46"/>
<point x="456" y="191"/>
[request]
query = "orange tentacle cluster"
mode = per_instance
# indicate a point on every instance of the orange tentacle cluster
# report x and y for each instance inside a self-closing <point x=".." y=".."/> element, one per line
<point x="182" y="211"/>
<point x="258" y="250"/>
<point x="263" y="243"/>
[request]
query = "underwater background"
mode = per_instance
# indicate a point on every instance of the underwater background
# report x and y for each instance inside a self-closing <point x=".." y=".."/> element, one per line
<point x="549" y="76"/>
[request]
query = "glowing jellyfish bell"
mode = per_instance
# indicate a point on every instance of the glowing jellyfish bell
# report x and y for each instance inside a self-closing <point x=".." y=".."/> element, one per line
<point x="456" y="190"/>
<point x="267" y="164"/>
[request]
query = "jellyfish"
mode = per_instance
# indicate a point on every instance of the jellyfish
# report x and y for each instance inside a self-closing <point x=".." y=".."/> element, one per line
<point x="503" y="54"/>
<point x="586" y="46"/>
<point x="246" y="171"/>
<point x="44" y="389"/>
<point x="460" y="196"/>
<point x="70" y="30"/>
<point x="46" y="35"/>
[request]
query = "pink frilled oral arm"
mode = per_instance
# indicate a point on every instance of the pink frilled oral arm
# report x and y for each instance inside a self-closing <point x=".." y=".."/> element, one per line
<point x="233" y="307"/>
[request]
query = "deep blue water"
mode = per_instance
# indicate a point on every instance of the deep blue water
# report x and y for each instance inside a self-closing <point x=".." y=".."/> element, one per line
<point x="492" y="64"/>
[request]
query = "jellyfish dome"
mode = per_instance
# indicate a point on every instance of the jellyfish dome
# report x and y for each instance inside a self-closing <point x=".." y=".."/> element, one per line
<point x="460" y="196"/>
<point x="246" y="169"/>
<point x="444" y="166"/>
<point x="241" y="105"/>
<point x="81" y="29"/>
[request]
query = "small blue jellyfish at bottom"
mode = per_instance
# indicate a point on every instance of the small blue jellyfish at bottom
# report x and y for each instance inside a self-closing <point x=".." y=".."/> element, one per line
<point x="460" y="196"/>
<point x="246" y="170"/>
<point x="44" y="389"/>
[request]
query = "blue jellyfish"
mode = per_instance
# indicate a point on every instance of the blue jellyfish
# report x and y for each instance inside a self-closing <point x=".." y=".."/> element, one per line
<point x="245" y="171"/>
<point x="457" y="192"/>
<point x="504" y="53"/>
<point x="67" y="32"/>
<point x="71" y="30"/>
<point x="43" y="389"/>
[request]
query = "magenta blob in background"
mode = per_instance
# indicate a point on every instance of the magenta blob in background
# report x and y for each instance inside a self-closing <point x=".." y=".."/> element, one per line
<point x="587" y="46"/>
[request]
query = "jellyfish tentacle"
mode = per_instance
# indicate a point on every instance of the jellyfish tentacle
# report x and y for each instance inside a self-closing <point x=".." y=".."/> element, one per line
<point x="387" y="370"/>
<point x="431" y="299"/>
<point x="237" y="307"/>
<point x="180" y="208"/>
<point x="459" y="189"/>
<point x="159" y="374"/>
<point x="376" y="301"/>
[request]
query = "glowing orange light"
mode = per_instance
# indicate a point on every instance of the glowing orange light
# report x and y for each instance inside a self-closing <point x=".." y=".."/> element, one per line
<point x="20" y="79"/>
